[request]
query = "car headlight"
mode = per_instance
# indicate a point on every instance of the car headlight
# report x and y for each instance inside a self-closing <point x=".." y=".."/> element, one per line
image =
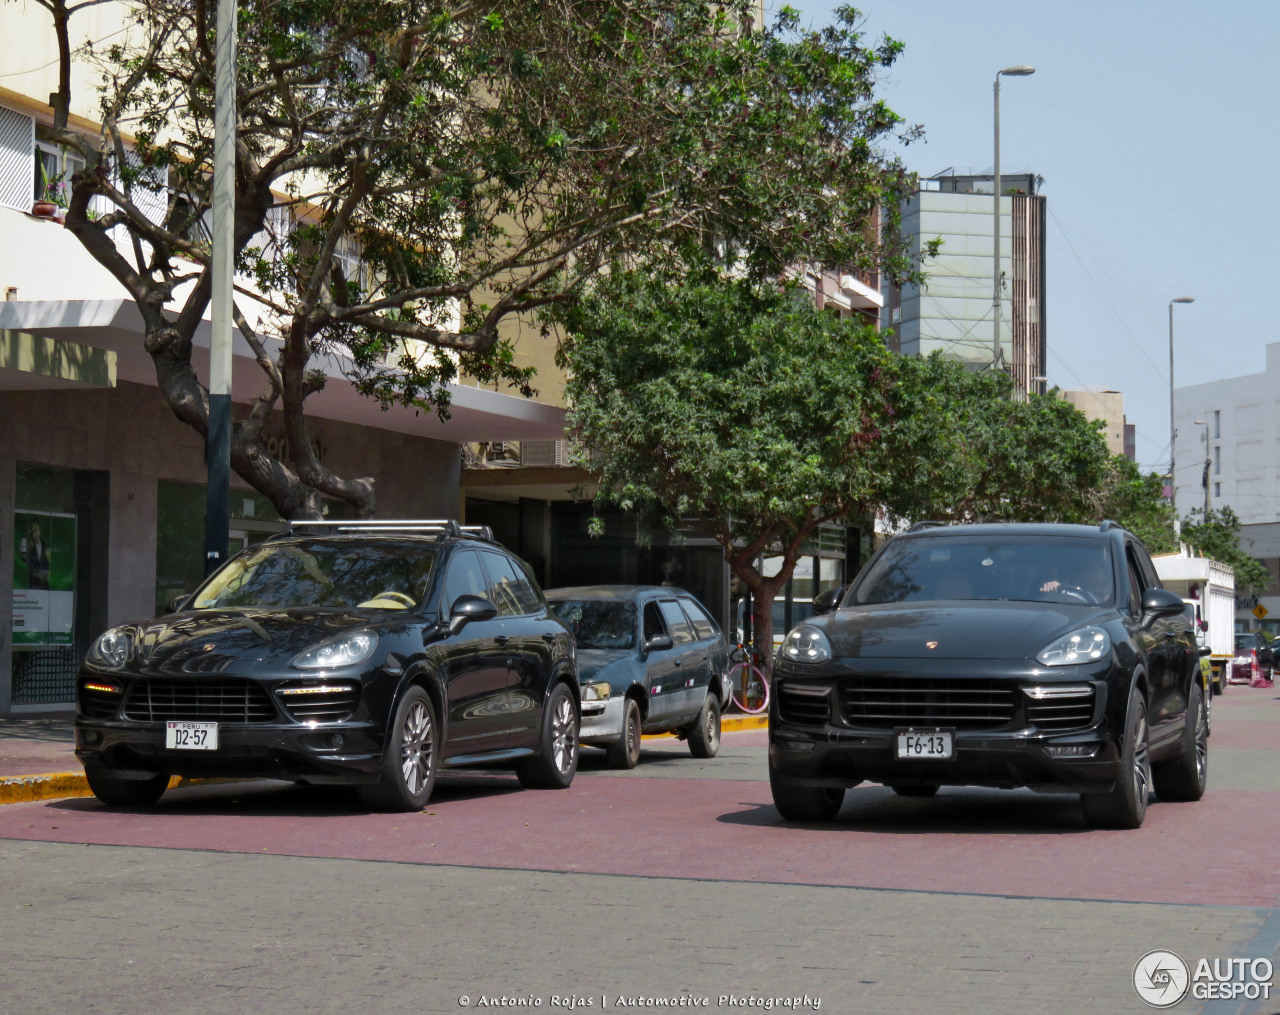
<point x="113" y="648"/>
<point x="345" y="651"/>
<point x="597" y="690"/>
<point x="806" y="645"/>
<point x="1086" y="645"/>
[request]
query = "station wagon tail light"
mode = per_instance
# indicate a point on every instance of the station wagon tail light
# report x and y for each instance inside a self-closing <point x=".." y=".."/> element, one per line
<point x="806" y="645"/>
<point x="595" y="691"/>
<point x="1087" y="645"/>
<point x="339" y="652"/>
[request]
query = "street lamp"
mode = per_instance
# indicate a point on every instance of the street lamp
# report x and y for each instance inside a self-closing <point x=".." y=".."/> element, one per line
<point x="1208" y="461"/>
<point x="1022" y="70"/>
<point x="1173" y="432"/>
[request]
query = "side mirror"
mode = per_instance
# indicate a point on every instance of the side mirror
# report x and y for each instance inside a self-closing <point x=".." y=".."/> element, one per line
<point x="1205" y="650"/>
<point x="467" y="609"/>
<point x="658" y="642"/>
<point x="1161" y="603"/>
<point x="826" y="602"/>
<point x="177" y="603"/>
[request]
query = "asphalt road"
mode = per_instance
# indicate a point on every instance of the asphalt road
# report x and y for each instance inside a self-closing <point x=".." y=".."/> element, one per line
<point x="673" y="882"/>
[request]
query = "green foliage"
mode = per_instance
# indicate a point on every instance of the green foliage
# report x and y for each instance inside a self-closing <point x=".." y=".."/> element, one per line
<point x="1218" y="536"/>
<point x="486" y="164"/>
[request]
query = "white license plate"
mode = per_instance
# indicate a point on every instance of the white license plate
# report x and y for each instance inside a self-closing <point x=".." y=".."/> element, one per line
<point x="935" y="744"/>
<point x="191" y="736"/>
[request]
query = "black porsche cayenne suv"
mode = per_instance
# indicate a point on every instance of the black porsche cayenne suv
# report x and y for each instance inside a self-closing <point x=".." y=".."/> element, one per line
<point x="998" y="655"/>
<point x="375" y="653"/>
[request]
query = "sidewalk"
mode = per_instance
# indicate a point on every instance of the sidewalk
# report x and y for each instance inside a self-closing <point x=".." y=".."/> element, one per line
<point x="38" y="760"/>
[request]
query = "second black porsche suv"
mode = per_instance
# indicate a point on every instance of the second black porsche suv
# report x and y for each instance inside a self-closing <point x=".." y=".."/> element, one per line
<point x="374" y="653"/>
<point x="998" y="655"/>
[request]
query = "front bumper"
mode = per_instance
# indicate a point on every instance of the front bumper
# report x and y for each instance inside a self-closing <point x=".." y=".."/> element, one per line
<point x="602" y="720"/>
<point x="837" y="729"/>
<point x="269" y="751"/>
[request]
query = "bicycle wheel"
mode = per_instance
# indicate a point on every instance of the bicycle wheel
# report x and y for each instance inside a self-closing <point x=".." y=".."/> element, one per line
<point x="749" y="687"/>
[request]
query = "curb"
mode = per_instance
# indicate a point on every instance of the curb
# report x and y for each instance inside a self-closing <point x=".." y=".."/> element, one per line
<point x="728" y="724"/>
<point x="22" y="789"/>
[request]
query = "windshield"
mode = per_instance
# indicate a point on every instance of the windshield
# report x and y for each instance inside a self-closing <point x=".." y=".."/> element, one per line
<point x="1047" y="569"/>
<point x="597" y="624"/>
<point x="379" y="575"/>
<point x="1248" y="641"/>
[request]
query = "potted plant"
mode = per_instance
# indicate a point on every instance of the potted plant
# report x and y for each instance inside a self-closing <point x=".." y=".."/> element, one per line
<point x="53" y="196"/>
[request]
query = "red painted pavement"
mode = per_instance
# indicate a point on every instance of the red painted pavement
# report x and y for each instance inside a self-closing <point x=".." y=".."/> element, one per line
<point x="1218" y="851"/>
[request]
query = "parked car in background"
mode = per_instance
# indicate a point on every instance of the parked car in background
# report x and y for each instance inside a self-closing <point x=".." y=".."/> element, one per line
<point x="1254" y="658"/>
<point x="997" y="655"/>
<point x="374" y="653"/>
<point x="651" y="660"/>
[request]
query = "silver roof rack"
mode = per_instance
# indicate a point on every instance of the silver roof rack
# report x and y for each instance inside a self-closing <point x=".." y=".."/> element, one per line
<point x="415" y="526"/>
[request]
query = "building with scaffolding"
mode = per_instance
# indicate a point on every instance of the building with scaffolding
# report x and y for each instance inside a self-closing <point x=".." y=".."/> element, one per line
<point x="954" y="311"/>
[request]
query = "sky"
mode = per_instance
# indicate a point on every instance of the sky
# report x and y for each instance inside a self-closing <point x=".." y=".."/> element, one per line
<point x="1153" y="126"/>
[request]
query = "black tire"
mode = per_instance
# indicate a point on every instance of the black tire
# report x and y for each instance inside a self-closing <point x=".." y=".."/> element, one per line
<point x="1183" y="779"/>
<point x="625" y="751"/>
<point x="410" y="757"/>
<point x="111" y="789"/>
<point x="557" y="759"/>
<point x="1126" y="805"/>
<point x="798" y="802"/>
<point x="914" y="789"/>
<point x="704" y="734"/>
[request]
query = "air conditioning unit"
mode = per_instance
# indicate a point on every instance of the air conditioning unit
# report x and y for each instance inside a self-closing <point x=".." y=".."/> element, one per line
<point x="544" y="454"/>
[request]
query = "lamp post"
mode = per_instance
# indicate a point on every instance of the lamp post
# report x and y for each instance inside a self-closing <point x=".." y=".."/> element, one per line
<point x="1022" y="70"/>
<point x="1173" y="431"/>
<point x="217" y="517"/>
<point x="1208" y="461"/>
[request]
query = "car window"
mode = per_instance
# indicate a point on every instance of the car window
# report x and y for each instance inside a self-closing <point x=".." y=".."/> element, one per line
<point x="677" y="623"/>
<point x="703" y="626"/>
<point x="1069" y="570"/>
<point x="508" y="588"/>
<point x="597" y="624"/>
<point x="653" y="623"/>
<point x="369" y="574"/>
<point x="1137" y="584"/>
<point x="464" y="578"/>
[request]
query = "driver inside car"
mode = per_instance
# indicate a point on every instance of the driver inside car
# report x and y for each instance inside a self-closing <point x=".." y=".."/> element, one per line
<point x="1089" y="575"/>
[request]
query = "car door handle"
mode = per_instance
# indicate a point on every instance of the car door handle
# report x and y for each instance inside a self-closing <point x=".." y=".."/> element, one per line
<point x="502" y="639"/>
<point x="678" y="663"/>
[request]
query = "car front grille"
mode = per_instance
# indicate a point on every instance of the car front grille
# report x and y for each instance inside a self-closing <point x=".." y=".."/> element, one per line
<point x="804" y="704"/>
<point x="320" y="704"/>
<point x="1061" y="712"/>
<point x="198" y="699"/>
<point x="99" y="704"/>
<point x="886" y="702"/>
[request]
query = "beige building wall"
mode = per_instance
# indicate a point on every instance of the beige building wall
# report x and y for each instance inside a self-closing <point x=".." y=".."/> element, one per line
<point x="1107" y="406"/>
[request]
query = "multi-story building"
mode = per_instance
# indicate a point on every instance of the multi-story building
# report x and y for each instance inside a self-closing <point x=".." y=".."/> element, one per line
<point x="954" y="311"/>
<point x="102" y="489"/>
<point x="1107" y="406"/>
<point x="1227" y="454"/>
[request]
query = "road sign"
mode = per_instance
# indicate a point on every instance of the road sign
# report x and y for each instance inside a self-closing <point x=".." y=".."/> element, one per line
<point x="1260" y="611"/>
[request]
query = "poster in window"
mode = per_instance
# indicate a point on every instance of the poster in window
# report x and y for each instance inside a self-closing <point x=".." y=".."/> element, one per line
<point x="44" y="575"/>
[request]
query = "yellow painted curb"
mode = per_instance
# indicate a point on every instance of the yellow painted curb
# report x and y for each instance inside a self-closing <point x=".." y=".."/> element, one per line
<point x="728" y="724"/>
<point x="21" y="789"/>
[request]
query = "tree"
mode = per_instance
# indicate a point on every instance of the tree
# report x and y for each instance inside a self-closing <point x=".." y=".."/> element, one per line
<point x="1217" y="536"/>
<point x="738" y="408"/>
<point x="968" y="451"/>
<point x="486" y="160"/>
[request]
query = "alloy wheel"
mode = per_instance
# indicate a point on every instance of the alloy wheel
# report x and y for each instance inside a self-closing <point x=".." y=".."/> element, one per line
<point x="564" y="740"/>
<point x="415" y="747"/>
<point x="1141" y="760"/>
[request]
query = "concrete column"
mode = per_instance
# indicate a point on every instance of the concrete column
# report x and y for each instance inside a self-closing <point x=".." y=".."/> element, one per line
<point x="131" y="586"/>
<point x="8" y="505"/>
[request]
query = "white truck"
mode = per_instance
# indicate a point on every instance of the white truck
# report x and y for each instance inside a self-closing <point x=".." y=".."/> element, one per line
<point x="1209" y="589"/>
